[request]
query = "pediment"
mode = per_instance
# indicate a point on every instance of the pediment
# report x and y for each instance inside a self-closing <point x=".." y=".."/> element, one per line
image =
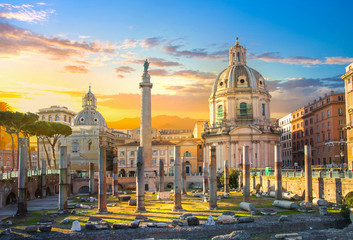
<point x="245" y="130"/>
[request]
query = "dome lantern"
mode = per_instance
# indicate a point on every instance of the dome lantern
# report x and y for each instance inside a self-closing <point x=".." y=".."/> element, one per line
<point x="237" y="54"/>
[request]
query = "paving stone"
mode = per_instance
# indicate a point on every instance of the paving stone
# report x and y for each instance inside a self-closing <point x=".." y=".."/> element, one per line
<point x="31" y="229"/>
<point x="177" y="223"/>
<point x="121" y="225"/>
<point x="246" y="219"/>
<point x="236" y="235"/>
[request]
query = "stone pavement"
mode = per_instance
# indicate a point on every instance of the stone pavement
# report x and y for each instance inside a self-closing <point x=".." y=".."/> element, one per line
<point x="50" y="202"/>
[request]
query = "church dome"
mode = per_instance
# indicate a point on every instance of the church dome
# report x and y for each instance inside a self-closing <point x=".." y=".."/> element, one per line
<point x="238" y="75"/>
<point x="89" y="115"/>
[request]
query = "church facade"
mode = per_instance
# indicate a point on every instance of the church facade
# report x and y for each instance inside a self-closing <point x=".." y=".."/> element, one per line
<point x="240" y="115"/>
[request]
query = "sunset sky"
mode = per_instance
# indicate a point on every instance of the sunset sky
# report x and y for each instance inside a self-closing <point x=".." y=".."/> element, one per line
<point x="51" y="51"/>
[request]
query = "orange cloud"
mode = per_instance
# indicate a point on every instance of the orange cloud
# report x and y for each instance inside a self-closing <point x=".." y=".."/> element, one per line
<point x="76" y="69"/>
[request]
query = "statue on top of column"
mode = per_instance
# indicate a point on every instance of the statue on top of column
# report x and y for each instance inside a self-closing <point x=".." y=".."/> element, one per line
<point x="146" y="65"/>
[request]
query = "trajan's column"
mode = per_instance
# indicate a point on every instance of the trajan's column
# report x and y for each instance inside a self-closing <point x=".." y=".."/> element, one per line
<point x="146" y="129"/>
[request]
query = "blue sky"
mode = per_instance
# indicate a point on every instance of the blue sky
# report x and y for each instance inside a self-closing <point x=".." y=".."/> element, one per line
<point x="301" y="47"/>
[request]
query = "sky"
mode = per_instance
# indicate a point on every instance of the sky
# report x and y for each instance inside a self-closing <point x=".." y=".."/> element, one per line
<point x="51" y="51"/>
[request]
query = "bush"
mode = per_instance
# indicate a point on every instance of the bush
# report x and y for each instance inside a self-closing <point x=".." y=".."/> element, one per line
<point x="233" y="178"/>
<point x="347" y="203"/>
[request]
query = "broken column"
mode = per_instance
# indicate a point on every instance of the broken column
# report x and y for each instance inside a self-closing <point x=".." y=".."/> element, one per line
<point x="91" y="178"/>
<point x="44" y="180"/>
<point x="213" y="179"/>
<point x="68" y="175"/>
<point x="140" y="182"/>
<point x="278" y="173"/>
<point x="63" y="178"/>
<point x="161" y="175"/>
<point x="102" y="181"/>
<point x="115" y="177"/>
<point x="246" y="174"/>
<point x="205" y="171"/>
<point x="177" y="179"/>
<point x="226" y="177"/>
<point x="183" y="179"/>
<point x="308" y="174"/>
<point x="22" y="177"/>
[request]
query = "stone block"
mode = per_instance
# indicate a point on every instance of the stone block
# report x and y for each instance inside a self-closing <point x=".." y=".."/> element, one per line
<point x="76" y="226"/>
<point x="238" y="235"/>
<point x="185" y="215"/>
<point x="210" y="221"/>
<point x="164" y="196"/>
<point x="45" y="228"/>
<point x="246" y="219"/>
<point x="135" y="224"/>
<point x="31" y="229"/>
<point x="286" y="235"/>
<point x="177" y="223"/>
<point x="193" y="221"/>
<point x="230" y="213"/>
<point x="132" y="202"/>
<point x="226" y="219"/>
<point x="124" y="198"/>
<point x="121" y="225"/>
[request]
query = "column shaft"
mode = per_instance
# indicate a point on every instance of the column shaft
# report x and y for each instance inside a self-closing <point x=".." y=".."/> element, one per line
<point x="22" y="177"/>
<point x="278" y="173"/>
<point x="177" y="179"/>
<point x="102" y="181"/>
<point x="91" y="178"/>
<point x="213" y="179"/>
<point x="140" y="182"/>
<point x="308" y="174"/>
<point x="161" y="175"/>
<point x="183" y="179"/>
<point x="63" y="178"/>
<point x="205" y="170"/>
<point x="44" y="180"/>
<point x="115" y="178"/>
<point x="226" y="176"/>
<point x="246" y="174"/>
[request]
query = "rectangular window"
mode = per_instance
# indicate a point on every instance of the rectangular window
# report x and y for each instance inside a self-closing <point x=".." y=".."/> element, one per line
<point x="311" y="131"/>
<point x="132" y="153"/>
<point x="171" y="152"/>
<point x="340" y="122"/>
<point x="293" y="127"/>
<point x="311" y="121"/>
<point x="317" y="127"/>
<point x="328" y="100"/>
<point x="328" y="113"/>
<point x="323" y="126"/>
<point x="340" y="111"/>
<point x="122" y="153"/>
<point x="155" y="152"/>
<point x="323" y="137"/>
<point x="317" y="117"/>
<point x="306" y="122"/>
<point x="318" y="138"/>
<point x="322" y="115"/>
<point x="131" y="162"/>
<point x="329" y="136"/>
<point x="154" y="161"/>
<point x="122" y="162"/>
<point x="263" y="109"/>
<point x="341" y="135"/>
<point x="328" y="124"/>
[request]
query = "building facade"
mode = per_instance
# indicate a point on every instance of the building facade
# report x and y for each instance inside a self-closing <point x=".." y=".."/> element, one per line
<point x="240" y="115"/>
<point x="286" y="140"/>
<point x="59" y="114"/>
<point x="348" y="83"/>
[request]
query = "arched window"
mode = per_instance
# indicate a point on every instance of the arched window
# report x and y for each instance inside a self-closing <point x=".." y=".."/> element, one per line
<point x="238" y="56"/>
<point x="243" y="108"/>
<point x="69" y="119"/>
<point x="50" y="118"/>
<point x="64" y="118"/>
<point x="56" y="117"/>
<point x="43" y="118"/>
<point x="89" y="146"/>
<point x="220" y="113"/>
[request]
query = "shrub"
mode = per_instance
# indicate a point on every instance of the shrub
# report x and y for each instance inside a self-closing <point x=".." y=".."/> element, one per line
<point x="347" y="203"/>
<point x="233" y="178"/>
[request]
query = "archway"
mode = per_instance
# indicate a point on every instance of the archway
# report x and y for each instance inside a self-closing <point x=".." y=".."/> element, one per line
<point x="83" y="190"/>
<point x="38" y="193"/>
<point x="11" y="199"/>
<point x="170" y="185"/>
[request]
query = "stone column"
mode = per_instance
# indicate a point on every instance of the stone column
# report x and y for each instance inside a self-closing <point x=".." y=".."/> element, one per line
<point x="161" y="175"/>
<point x="278" y="173"/>
<point x="140" y="182"/>
<point x="205" y="171"/>
<point x="308" y="174"/>
<point x="63" y="178"/>
<point x="91" y="178"/>
<point x="115" y="177"/>
<point x="246" y="174"/>
<point x="102" y="181"/>
<point x="44" y="180"/>
<point x="226" y="176"/>
<point x="146" y="129"/>
<point x="177" y="179"/>
<point x="22" y="177"/>
<point x="68" y="175"/>
<point x="183" y="173"/>
<point x="213" y="179"/>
